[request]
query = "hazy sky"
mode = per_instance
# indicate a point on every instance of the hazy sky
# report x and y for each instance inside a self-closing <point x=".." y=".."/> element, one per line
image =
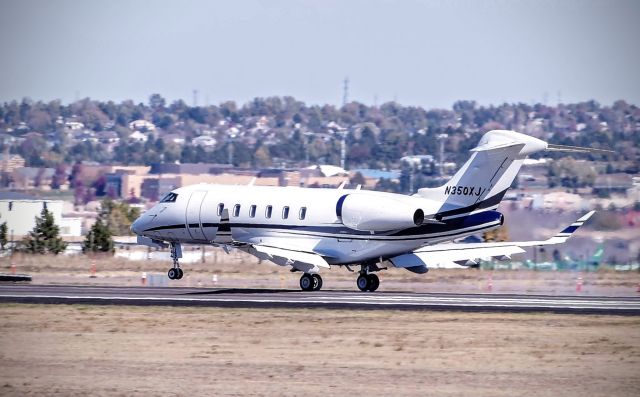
<point x="428" y="53"/>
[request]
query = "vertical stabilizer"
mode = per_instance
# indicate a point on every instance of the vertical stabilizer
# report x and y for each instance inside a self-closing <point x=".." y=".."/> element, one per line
<point x="485" y="177"/>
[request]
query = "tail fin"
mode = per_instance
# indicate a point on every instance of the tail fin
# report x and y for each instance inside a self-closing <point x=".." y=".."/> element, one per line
<point x="485" y="177"/>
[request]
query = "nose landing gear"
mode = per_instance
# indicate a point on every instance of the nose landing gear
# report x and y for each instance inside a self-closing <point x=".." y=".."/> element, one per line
<point x="175" y="273"/>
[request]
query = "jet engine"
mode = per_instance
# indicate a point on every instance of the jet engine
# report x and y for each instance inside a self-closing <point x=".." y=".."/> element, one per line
<point x="375" y="213"/>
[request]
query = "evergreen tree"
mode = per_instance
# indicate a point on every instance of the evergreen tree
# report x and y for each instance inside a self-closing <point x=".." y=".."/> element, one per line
<point x="44" y="238"/>
<point x="3" y="235"/>
<point x="98" y="239"/>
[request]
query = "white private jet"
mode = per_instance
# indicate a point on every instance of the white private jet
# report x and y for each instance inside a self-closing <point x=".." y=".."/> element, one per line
<point x="312" y="229"/>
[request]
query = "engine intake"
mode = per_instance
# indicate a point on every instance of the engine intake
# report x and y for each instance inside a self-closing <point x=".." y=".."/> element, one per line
<point x="375" y="213"/>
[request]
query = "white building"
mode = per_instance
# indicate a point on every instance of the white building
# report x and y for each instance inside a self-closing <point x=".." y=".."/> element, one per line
<point x="204" y="141"/>
<point x="142" y="125"/>
<point x="20" y="211"/>
<point x="138" y="136"/>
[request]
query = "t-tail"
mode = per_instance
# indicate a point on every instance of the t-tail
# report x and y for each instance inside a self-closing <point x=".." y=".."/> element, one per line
<point x="484" y="179"/>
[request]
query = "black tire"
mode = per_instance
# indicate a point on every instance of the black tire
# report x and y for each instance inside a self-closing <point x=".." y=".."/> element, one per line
<point x="306" y="282"/>
<point x="172" y="274"/>
<point x="317" y="282"/>
<point x="374" y="282"/>
<point x="363" y="282"/>
<point x="180" y="274"/>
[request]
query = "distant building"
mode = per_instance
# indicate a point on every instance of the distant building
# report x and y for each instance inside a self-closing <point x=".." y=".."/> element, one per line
<point x="190" y="168"/>
<point x="20" y="211"/>
<point x="10" y="162"/>
<point x="74" y="125"/>
<point x="138" y="136"/>
<point x="328" y="169"/>
<point x="142" y="125"/>
<point x="562" y="201"/>
<point x="204" y="141"/>
<point x="613" y="183"/>
<point x="418" y="159"/>
<point x="108" y="137"/>
<point x="32" y="177"/>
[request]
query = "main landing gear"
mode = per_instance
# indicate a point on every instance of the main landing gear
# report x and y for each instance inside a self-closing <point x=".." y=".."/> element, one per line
<point x="310" y="282"/>
<point x="367" y="281"/>
<point x="175" y="273"/>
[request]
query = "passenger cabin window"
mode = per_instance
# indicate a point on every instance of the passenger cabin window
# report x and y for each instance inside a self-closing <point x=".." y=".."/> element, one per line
<point x="236" y="210"/>
<point x="303" y="213"/>
<point x="285" y="212"/>
<point x="268" y="211"/>
<point x="252" y="211"/>
<point x="169" y="198"/>
<point x="220" y="209"/>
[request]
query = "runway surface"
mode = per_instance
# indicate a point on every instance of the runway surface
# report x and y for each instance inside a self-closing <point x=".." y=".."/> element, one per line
<point x="334" y="299"/>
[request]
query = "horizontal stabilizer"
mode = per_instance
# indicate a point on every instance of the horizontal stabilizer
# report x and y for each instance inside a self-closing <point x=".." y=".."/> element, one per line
<point x="576" y="149"/>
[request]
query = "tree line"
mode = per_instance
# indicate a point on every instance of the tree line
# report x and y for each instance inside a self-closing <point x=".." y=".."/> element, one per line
<point x="273" y="131"/>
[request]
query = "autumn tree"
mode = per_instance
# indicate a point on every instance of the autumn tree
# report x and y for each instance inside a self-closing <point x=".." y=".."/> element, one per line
<point x="496" y="235"/>
<point x="119" y="216"/>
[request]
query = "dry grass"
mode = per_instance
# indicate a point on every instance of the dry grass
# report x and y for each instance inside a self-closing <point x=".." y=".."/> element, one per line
<point x="242" y="270"/>
<point x="87" y="350"/>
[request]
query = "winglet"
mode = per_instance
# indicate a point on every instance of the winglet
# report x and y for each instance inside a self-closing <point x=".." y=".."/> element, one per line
<point x="569" y="230"/>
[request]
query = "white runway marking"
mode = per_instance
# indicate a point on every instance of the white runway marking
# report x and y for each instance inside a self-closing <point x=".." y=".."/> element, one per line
<point x="338" y="299"/>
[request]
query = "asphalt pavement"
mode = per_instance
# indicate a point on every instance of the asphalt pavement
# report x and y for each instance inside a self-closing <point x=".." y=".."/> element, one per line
<point x="331" y="299"/>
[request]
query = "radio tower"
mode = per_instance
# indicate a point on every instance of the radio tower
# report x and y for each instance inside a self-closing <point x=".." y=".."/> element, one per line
<point x="343" y="131"/>
<point x="345" y="91"/>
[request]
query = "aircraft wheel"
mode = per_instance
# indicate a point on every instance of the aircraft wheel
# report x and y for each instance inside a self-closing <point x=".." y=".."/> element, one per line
<point x="306" y="282"/>
<point x="180" y="274"/>
<point x="374" y="282"/>
<point x="172" y="274"/>
<point x="363" y="282"/>
<point x="317" y="282"/>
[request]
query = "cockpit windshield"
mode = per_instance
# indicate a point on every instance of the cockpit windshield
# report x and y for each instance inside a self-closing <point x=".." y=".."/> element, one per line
<point x="169" y="198"/>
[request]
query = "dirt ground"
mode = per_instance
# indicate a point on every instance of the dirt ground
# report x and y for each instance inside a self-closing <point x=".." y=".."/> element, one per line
<point x="239" y="270"/>
<point x="61" y="350"/>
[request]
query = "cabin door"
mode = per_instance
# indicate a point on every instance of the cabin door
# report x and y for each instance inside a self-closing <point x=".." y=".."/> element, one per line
<point x="193" y="224"/>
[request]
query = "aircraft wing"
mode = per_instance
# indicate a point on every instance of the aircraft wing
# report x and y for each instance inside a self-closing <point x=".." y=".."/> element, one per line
<point x="445" y="255"/>
<point x="305" y="261"/>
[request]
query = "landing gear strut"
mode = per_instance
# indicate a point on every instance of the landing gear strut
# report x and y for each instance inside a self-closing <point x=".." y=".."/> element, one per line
<point x="310" y="282"/>
<point x="175" y="273"/>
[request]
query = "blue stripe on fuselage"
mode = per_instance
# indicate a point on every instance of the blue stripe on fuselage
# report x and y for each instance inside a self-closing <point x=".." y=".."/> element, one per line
<point x="340" y="231"/>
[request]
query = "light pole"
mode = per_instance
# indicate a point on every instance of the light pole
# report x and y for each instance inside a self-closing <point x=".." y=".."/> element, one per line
<point x="441" y="138"/>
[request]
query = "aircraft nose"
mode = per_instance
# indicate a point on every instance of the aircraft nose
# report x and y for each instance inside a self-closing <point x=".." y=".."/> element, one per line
<point x="137" y="226"/>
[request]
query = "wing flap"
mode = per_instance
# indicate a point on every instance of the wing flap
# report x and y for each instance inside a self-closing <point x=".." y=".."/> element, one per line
<point x="301" y="260"/>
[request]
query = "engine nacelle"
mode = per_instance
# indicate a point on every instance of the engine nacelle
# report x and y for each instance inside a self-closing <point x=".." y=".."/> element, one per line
<point x="375" y="213"/>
